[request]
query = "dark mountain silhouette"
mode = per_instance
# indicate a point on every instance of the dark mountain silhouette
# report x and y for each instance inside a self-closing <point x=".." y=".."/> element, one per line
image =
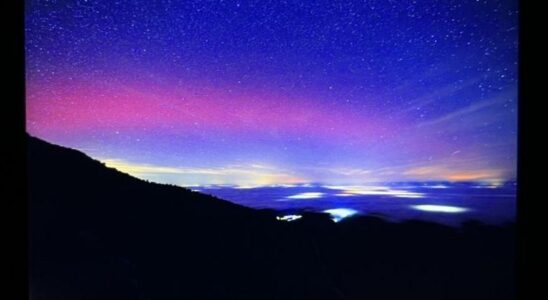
<point x="97" y="233"/>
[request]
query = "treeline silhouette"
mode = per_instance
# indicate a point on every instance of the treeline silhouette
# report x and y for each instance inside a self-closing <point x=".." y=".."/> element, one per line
<point x="97" y="233"/>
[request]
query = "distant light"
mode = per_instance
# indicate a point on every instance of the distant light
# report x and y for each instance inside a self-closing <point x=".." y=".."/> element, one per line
<point x="289" y="218"/>
<point x="245" y="187"/>
<point x="338" y="214"/>
<point x="489" y="186"/>
<point x="440" y="208"/>
<point x="439" y="186"/>
<point x="405" y="194"/>
<point x="284" y="185"/>
<point x="375" y="191"/>
<point x="306" y="195"/>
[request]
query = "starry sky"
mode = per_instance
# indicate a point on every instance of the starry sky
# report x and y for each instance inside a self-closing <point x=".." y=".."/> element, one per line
<point x="278" y="92"/>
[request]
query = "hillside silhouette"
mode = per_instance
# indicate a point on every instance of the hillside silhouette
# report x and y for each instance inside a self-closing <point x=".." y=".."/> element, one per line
<point x="97" y="233"/>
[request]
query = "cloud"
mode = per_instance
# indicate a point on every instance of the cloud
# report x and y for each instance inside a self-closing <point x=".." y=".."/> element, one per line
<point x="139" y="169"/>
<point x="350" y="171"/>
<point x="459" y="113"/>
<point x="442" y="172"/>
<point x="253" y="174"/>
<point x="472" y="109"/>
<point x="441" y="94"/>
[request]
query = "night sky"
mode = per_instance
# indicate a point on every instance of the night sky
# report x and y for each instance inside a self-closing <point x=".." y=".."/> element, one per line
<point x="278" y="92"/>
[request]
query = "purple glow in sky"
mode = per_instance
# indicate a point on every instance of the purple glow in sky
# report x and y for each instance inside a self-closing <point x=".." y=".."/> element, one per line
<point x="278" y="92"/>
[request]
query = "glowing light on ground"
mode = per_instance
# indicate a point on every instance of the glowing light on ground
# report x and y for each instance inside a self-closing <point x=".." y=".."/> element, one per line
<point x="283" y="185"/>
<point x="374" y="191"/>
<point x="310" y="195"/>
<point x="438" y="186"/>
<point x="439" y="208"/>
<point x="288" y="218"/>
<point x="338" y="214"/>
<point x="490" y="185"/>
<point x="246" y="187"/>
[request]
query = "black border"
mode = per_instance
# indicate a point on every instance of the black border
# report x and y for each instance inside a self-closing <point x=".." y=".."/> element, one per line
<point x="526" y="182"/>
<point x="15" y="149"/>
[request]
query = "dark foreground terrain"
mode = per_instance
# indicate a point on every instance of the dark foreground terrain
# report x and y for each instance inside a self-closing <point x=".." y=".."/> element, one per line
<point x="96" y="233"/>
